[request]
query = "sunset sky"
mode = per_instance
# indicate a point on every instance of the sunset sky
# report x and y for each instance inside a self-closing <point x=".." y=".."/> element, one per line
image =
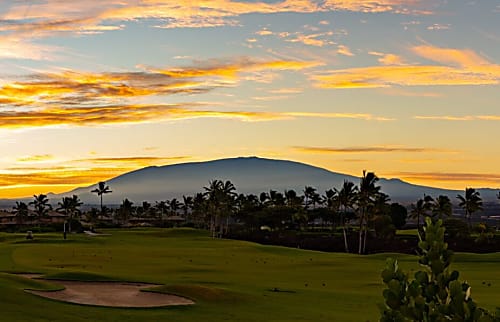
<point x="92" y="89"/>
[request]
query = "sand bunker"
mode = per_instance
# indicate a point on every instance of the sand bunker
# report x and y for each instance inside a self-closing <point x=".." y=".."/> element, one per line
<point x="114" y="294"/>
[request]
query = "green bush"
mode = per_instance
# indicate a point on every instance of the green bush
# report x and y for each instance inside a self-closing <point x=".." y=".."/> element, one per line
<point x="383" y="227"/>
<point x="435" y="294"/>
<point x="456" y="228"/>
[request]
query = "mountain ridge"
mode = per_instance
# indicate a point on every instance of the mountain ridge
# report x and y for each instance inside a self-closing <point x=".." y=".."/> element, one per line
<point x="248" y="174"/>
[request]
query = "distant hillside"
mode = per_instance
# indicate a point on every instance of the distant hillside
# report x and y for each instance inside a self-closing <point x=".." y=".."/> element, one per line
<point x="248" y="174"/>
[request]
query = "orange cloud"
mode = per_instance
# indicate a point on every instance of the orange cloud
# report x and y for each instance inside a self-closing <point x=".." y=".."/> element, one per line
<point x="26" y="21"/>
<point x="492" y="178"/>
<point x="60" y="177"/>
<point x="450" y="180"/>
<point x="462" y="58"/>
<point x="375" y="6"/>
<point x="369" y="149"/>
<point x="469" y="69"/>
<point x="93" y="97"/>
<point x="23" y="181"/>
<point x="118" y="114"/>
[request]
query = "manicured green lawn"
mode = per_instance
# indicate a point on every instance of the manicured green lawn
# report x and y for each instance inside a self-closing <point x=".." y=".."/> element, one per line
<point x="229" y="280"/>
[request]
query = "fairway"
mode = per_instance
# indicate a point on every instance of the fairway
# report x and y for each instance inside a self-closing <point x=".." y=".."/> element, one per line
<point x="228" y="280"/>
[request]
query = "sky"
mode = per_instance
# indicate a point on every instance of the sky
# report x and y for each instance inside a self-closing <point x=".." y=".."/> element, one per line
<point x="93" y="89"/>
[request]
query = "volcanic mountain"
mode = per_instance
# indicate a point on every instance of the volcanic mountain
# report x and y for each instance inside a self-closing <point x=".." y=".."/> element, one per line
<point x="248" y="174"/>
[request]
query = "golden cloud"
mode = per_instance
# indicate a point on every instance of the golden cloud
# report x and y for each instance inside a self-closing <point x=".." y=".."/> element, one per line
<point x="36" y="158"/>
<point x="447" y="176"/>
<point x="456" y="57"/>
<point x="77" y="172"/>
<point x="60" y="177"/>
<point x="369" y="149"/>
<point x="375" y="6"/>
<point x="468" y="69"/>
<point x="79" y="98"/>
<point x="26" y="21"/>
<point x="142" y="160"/>
<point x="117" y="114"/>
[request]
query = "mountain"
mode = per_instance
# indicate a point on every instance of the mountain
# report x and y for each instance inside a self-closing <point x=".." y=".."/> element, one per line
<point x="248" y="174"/>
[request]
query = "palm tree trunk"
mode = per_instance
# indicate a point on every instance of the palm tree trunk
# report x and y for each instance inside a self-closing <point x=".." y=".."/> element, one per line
<point x="346" y="245"/>
<point x="344" y="230"/>
<point x="364" y="238"/>
<point x="360" y="243"/>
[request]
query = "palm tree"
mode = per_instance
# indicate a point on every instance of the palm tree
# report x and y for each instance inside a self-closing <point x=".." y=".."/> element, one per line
<point x="367" y="192"/>
<point x="213" y="196"/>
<point x="221" y="198"/>
<point x="292" y="200"/>
<point x="21" y="211"/>
<point x="175" y="205"/>
<point x="69" y="207"/>
<point x="101" y="190"/>
<point x="161" y="209"/>
<point x="41" y="206"/>
<point x="199" y="209"/>
<point x="92" y="216"/>
<point x="471" y="203"/>
<point x="347" y="198"/>
<point x="442" y="207"/>
<point x="126" y="210"/>
<point x="316" y="199"/>
<point x="332" y="204"/>
<point x="419" y="210"/>
<point x="308" y="195"/>
<point x="187" y="204"/>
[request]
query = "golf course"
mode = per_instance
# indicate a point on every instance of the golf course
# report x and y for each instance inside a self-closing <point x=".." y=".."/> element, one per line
<point x="227" y="280"/>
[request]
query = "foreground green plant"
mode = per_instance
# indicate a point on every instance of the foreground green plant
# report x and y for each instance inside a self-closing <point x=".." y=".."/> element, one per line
<point x="435" y="294"/>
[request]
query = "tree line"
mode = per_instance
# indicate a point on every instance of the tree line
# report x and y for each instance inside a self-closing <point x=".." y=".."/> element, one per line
<point x="350" y="209"/>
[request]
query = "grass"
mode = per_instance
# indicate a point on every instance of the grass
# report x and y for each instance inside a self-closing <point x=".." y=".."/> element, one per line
<point x="229" y="280"/>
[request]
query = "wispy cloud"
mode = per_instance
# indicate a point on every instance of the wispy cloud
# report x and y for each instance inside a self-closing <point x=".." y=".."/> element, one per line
<point x="456" y="57"/>
<point x="142" y="160"/>
<point x="491" y="178"/>
<point x="36" y="158"/>
<point x="464" y="68"/>
<point x="388" y="59"/>
<point x="80" y="171"/>
<point x="25" y="21"/>
<point x="369" y="149"/>
<point x="316" y="39"/>
<point x="359" y="116"/>
<point x="438" y="26"/>
<point x="68" y="176"/>
<point x="344" y="50"/>
<point x="79" y="98"/>
<point x="375" y="6"/>
<point x="458" y="118"/>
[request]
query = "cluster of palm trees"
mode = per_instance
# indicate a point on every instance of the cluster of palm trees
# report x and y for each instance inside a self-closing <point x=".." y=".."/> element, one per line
<point x="441" y="207"/>
<point x="68" y="206"/>
<point x="219" y="205"/>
